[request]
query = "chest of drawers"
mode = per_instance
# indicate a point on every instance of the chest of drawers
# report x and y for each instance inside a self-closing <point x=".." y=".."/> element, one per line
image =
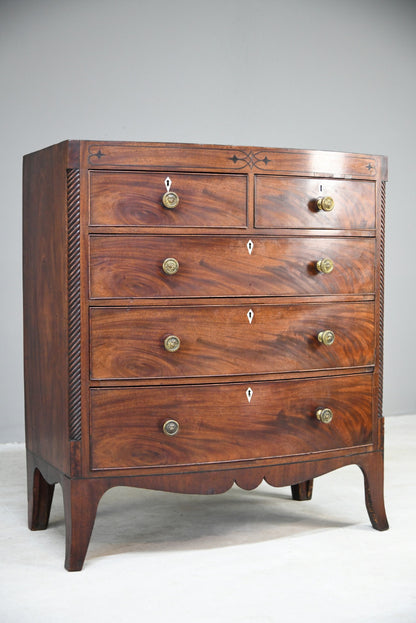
<point x="198" y="316"/>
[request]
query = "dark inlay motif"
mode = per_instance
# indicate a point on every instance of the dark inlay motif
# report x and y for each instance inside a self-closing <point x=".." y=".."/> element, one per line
<point x="252" y="159"/>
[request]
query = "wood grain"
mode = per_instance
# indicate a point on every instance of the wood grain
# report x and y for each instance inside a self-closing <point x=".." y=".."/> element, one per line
<point x="218" y="340"/>
<point x="136" y="199"/>
<point x="186" y="157"/>
<point x="98" y="306"/>
<point x="131" y="266"/>
<point x="292" y="203"/>
<point x="217" y="423"/>
<point x="45" y="304"/>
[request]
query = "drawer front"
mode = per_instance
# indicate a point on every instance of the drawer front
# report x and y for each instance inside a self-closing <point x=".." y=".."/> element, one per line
<point x="288" y="202"/>
<point x="129" y="343"/>
<point x="217" y="423"/>
<point x="132" y="266"/>
<point x="135" y="199"/>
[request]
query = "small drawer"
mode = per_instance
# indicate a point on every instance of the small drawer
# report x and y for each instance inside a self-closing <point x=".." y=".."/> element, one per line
<point x="218" y="423"/>
<point x="126" y="266"/>
<point x="225" y="340"/>
<point x="137" y="199"/>
<point x="293" y="203"/>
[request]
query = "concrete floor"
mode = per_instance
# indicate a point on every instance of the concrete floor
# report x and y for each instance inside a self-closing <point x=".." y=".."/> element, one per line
<point x="240" y="557"/>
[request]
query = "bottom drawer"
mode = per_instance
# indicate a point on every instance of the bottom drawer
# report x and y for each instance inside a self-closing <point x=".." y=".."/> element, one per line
<point x="219" y="423"/>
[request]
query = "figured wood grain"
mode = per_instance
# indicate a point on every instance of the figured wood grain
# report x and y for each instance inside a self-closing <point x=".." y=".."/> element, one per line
<point x="292" y="203"/>
<point x="131" y="266"/>
<point x="217" y="423"/>
<point x="136" y="199"/>
<point x="108" y="351"/>
<point x="218" y="340"/>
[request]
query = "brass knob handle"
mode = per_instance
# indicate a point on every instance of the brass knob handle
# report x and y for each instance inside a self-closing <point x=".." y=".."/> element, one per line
<point x="326" y="204"/>
<point x="326" y="337"/>
<point x="170" y="200"/>
<point x="325" y="265"/>
<point x="171" y="428"/>
<point x="172" y="343"/>
<point x="324" y="415"/>
<point x="170" y="266"/>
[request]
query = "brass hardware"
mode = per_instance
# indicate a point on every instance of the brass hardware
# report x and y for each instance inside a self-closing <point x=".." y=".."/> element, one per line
<point x="326" y="204"/>
<point x="324" y="415"/>
<point x="171" y="428"/>
<point x="325" y="265"/>
<point x="170" y="200"/>
<point x="172" y="343"/>
<point x="326" y="337"/>
<point x="170" y="266"/>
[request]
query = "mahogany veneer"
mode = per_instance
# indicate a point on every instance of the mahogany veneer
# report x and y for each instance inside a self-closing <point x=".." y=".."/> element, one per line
<point x="220" y="265"/>
<point x="217" y="340"/>
<point x="277" y="372"/>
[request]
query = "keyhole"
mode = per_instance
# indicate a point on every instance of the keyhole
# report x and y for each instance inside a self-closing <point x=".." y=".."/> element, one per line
<point x="250" y="315"/>
<point x="249" y="394"/>
<point x="250" y="246"/>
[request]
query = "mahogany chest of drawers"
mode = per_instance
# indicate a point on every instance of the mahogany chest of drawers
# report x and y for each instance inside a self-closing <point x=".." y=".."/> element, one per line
<point x="197" y="316"/>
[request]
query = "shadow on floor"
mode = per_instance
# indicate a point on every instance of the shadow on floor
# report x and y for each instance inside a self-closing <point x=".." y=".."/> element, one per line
<point x="137" y="520"/>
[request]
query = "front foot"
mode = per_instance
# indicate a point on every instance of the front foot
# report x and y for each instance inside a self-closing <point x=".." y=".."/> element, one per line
<point x="81" y="499"/>
<point x="372" y="468"/>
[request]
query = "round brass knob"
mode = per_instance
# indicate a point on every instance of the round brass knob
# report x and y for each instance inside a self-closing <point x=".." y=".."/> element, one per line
<point x="172" y="343"/>
<point x="170" y="200"/>
<point x="171" y="428"/>
<point x="325" y="265"/>
<point x="326" y="204"/>
<point x="170" y="266"/>
<point x="324" y="415"/>
<point x="326" y="337"/>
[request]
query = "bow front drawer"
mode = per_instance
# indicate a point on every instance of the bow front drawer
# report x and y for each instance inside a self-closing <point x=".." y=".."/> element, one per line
<point x="193" y="341"/>
<point x="304" y="203"/>
<point x="167" y="199"/>
<point x="194" y="266"/>
<point x="217" y="423"/>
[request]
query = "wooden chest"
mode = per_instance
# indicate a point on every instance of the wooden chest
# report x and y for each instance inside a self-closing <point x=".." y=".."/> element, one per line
<point x="197" y="316"/>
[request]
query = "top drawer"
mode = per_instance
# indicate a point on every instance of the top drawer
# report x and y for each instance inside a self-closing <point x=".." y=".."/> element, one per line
<point x="136" y="199"/>
<point x="288" y="202"/>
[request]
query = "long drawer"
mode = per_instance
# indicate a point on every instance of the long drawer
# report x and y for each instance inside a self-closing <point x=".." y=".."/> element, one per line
<point x="216" y="340"/>
<point x="136" y="199"/>
<point x="124" y="266"/>
<point x="217" y="423"/>
<point x="290" y="202"/>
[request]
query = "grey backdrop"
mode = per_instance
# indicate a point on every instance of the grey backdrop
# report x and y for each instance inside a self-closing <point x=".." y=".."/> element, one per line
<point x="315" y="74"/>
